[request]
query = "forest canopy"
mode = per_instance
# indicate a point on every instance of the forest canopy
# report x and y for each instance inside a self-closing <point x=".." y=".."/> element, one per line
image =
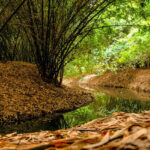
<point x="77" y="36"/>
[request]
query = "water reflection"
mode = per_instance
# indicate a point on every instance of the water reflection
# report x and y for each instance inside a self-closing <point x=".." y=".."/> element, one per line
<point x="118" y="92"/>
<point x="46" y="123"/>
<point x="125" y="93"/>
<point x="103" y="106"/>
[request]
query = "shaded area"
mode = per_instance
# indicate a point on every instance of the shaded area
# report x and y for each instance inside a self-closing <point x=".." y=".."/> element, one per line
<point x="52" y="122"/>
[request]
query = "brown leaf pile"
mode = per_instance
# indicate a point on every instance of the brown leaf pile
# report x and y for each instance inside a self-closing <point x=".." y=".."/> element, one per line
<point x="120" y="131"/>
<point x="23" y="94"/>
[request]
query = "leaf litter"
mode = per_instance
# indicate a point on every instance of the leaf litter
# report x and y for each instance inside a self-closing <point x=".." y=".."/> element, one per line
<point x="119" y="131"/>
<point x="24" y="95"/>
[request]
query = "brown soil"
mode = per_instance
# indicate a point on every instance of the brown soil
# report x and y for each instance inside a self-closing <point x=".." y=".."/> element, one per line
<point x="23" y="94"/>
<point x="138" y="79"/>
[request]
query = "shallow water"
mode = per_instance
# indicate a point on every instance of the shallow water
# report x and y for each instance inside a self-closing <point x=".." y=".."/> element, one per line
<point x="104" y="105"/>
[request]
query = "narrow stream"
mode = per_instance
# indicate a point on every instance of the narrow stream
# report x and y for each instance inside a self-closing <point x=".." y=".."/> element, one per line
<point x="107" y="101"/>
<point x="105" y="104"/>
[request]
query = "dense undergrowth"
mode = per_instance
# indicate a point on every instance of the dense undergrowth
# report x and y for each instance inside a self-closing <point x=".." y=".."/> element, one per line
<point x="130" y="51"/>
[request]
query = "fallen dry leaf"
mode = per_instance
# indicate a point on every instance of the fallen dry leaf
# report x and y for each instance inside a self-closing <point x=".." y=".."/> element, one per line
<point x="99" y="134"/>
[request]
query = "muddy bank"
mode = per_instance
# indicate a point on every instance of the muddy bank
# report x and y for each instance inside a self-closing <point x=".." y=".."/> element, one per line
<point x="137" y="79"/>
<point x="23" y="94"/>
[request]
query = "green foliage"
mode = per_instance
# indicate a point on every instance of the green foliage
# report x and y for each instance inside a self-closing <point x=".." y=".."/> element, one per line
<point x="104" y="106"/>
<point x="131" y="51"/>
<point x="117" y="38"/>
<point x="121" y="40"/>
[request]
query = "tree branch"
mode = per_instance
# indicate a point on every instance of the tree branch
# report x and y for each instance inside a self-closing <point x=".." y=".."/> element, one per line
<point x="11" y="16"/>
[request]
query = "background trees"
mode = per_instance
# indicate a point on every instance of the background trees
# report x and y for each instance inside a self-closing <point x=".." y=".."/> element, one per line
<point x="56" y="28"/>
<point x="120" y="41"/>
<point x="49" y="33"/>
<point x="8" y="35"/>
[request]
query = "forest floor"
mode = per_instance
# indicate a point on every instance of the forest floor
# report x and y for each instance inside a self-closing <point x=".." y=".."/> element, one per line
<point x="136" y="79"/>
<point x="121" y="131"/>
<point x="23" y="94"/>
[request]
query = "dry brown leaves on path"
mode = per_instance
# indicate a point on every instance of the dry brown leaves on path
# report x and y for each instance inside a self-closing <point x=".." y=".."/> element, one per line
<point x="120" y="131"/>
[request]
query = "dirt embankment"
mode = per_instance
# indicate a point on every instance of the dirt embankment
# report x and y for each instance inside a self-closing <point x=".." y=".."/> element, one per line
<point x="23" y="94"/>
<point x="138" y="79"/>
